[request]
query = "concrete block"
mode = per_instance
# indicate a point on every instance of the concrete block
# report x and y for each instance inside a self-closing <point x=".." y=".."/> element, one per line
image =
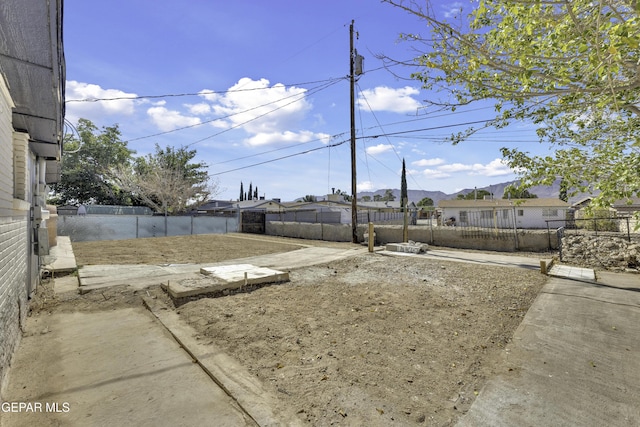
<point x="410" y="247"/>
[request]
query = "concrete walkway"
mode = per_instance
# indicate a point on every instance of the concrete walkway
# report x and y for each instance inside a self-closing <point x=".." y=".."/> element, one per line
<point x="573" y="360"/>
<point x="112" y="368"/>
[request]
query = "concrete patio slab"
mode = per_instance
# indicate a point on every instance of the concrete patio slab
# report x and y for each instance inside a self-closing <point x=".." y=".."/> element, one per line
<point x="571" y="272"/>
<point x="222" y="278"/>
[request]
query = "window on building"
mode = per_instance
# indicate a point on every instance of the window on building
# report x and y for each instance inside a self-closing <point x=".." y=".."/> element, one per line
<point x="486" y="214"/>
<point x="520" y="212"/>
<point x="463" y="216"/>
<point x="550" y="212"/>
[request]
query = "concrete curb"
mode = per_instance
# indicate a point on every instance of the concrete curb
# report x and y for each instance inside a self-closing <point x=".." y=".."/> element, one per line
<point x="245" y="389"/>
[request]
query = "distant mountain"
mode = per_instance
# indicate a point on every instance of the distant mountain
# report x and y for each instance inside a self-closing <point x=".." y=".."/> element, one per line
<point x="415" y="196"/>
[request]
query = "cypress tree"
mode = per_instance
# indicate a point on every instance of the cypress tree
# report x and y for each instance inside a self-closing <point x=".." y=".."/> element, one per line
<point x="403" y="187"/>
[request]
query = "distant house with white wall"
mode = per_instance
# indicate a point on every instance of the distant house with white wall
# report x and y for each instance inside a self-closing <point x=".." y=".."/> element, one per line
<point x="32" y="81"/>
<point x="500" y="213"/>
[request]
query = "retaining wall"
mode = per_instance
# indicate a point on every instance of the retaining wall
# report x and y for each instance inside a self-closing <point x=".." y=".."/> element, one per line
<point x="528" y="240"/>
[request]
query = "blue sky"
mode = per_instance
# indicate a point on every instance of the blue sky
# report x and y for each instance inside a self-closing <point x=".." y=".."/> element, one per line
<point x="260" y="89"/>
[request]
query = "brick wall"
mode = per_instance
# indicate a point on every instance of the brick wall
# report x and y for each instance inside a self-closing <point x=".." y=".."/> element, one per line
<point x="14" y="237"/>
<point x="13" y="289"/>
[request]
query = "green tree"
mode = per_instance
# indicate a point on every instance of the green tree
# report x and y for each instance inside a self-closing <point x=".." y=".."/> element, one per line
<point x="569" y="67"/>
<point x="512" y="192"/>
<point x="167" y="181"/>
<point x="474" y="195"/>
<point x="403" y="187"/>
<point x="241" y="192"/>
<point x="366" y="198"/>
<point x="564" y="191"/>
<point x="309" y="198"/>
<point x="86" y="165"/>
<point x="427" y="201"/>
<point x="388" y="196"/>
<point x="250" y="192"/>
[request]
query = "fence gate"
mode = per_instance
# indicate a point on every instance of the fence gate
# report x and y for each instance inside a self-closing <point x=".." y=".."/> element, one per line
<point x="253" y="222"/>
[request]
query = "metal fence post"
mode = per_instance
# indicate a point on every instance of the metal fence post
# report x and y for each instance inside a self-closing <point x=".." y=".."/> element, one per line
<point x="560" y="234"/>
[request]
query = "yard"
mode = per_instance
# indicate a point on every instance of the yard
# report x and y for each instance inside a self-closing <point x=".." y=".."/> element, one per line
<point x="369" y="340"/>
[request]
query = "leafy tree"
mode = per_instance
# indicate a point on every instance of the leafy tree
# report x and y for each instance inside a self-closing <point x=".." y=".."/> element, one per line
<point x="309" y="198"/>
<point x="427" y="201"/>
<point x="564" y="196"/>
<point x="512" y="192"/>
<point x="474" y="195"/>
<point x="366" y="198"/>
<point x="86" y="164"/>
<point x="250" y="192"/>
<point x="570" y="67"/>
<point x="388" y="196"/>
<point x="241" y="192"/>
<point x="167" y="181"/>
<point x="403" y="187"/>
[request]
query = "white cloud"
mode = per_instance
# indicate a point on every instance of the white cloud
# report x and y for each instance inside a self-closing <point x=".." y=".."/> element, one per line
<point x="168" y="120"/>
<point x="383" y="98"/>
<point x="435" y="174"/>
<point x="261" y="139"/>
<point x="257" y="107"/>
<point x="380" y="148"/>
<point x="455" y="167"/>
<point x="199" y="109"/>
<point x="496" y="167"/>
<point x="366" y="186"/>
<point x="452" y="10"/>
<point x="428" y="162"/>
<point x="436" y="169"/>
<point x="268" y="113"/>
<point x="94" y="110"/>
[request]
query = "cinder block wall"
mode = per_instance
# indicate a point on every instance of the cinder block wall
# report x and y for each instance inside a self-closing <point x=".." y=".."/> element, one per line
<point x="528" y="240"/>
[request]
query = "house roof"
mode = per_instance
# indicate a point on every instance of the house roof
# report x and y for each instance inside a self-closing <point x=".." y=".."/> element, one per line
<point x="631" y="203"/>
<point x="255" y="204"/>
<point x="210" y="205"/>
<point x="540" y="203"/>
<point x="32" y="63"/>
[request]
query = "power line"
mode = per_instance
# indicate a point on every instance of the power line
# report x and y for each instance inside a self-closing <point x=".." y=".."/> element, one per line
<point x="206" y="92"/>
<point x="281" y="158"/>
<point x="311" y="91"/>
<point x="342" y="142"/>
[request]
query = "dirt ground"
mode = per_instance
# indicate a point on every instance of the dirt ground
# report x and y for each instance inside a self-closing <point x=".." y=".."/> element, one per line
<point x="369" y="340"/>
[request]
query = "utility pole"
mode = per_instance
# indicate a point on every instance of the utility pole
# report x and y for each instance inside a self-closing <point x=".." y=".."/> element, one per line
<point x="354" y="190"/>
<point x="355" y="68"/>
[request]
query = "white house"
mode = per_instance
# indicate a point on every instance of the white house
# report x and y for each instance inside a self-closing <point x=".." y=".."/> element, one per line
<point x="504" y="213"/>
<point x="32" y="78"/>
